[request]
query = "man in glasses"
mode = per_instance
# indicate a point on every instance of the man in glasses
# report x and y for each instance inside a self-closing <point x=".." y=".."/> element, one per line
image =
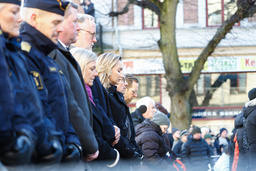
<point x="131" y="89"/>
<point x="86" y="36"/>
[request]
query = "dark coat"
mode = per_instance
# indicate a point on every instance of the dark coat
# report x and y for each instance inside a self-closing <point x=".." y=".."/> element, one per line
<point x="90" y="9"/>
<point x="120" y="112"/>
<point x="217" y="146"/>
<point x="150" y="139"/>
<point x="196" y="154"/>
<point x="242" y="144"/>
<point x="27" y="95"/>
<point x="178" y="149"/>
<point x="101" y="125"/>
<point x="11" y="111"/>
<point x="101" y="94"/>
<point x="50" y="81"/>
<point x="78" y="101"/>
<point x="250" y="115"/>
<point x="137" y="117"/>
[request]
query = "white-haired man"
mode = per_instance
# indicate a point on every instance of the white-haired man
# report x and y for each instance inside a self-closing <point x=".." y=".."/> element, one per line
<point x="87" y="34"/>
<point x="150" y="111"/>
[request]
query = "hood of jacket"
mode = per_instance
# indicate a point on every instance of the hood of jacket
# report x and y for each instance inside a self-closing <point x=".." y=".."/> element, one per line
<point x="248" y="111"/>
<point x="147" y="126"/>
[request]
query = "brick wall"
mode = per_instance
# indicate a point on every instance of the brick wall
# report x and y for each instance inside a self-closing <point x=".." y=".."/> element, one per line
<point x="128" y="18"/>
<point x="190" y="10"/>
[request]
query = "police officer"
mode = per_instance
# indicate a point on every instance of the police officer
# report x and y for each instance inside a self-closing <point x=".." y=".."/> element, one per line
<point x="26" y="100"/>
<point x="15" y="142"/>
<point x="40" y="30"/>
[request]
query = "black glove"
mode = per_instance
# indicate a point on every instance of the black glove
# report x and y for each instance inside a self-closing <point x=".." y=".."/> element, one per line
<point x="128" y="153"/>
<point x="72" y="153"/>
<point x="22" y="151"/>
<point x="56" y="155"/>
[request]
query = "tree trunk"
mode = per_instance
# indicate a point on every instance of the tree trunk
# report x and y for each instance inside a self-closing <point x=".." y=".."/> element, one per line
<point x="176" y="84"/>
<point x="180" y="115"/>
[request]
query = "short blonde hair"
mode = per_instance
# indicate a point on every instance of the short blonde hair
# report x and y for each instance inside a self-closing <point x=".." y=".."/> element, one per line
<point x="105" y="63"/>
<point x="83" y="57"/>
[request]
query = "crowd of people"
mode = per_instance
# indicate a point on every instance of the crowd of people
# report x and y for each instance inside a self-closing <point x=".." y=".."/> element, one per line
<point x="61" y="103"/>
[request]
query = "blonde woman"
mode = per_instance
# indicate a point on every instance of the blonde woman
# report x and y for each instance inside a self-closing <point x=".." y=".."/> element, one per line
<point x="109" y="68"/>
<point x="103" y="129"/>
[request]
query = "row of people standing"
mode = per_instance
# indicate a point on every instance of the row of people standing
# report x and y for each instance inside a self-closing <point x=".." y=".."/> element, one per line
<point x="52" y="106"/>
<point x="245" y="125"/>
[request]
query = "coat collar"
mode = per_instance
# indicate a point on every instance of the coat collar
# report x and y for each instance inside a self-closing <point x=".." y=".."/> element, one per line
<point x="37" y="39"/>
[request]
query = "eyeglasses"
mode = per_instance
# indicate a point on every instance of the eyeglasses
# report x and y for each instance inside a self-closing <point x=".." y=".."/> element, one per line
<point x="134" y="92"/>
<point x="91" y="33"/>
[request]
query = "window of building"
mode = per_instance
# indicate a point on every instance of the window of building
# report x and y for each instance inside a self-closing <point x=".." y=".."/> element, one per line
<point x="203" y="83"/>
<point x="237" y="83"/>
<point x="150" y="19"/>
<point x="149" y="85"/>
<point x="219" y="10"/>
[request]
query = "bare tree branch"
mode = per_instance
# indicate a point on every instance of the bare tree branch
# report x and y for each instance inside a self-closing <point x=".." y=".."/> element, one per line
<point x="143" y="4"/>
<point x="244" y="10"/>
<point x="124" y="10"/>
<point x="149" y="5"/>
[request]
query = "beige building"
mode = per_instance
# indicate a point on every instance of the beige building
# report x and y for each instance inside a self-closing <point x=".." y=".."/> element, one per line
<point x="134" y="36"/>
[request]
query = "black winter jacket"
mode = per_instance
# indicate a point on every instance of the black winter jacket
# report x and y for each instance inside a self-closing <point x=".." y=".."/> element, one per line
<point x="127" y="146"/>
<point x="196" y="154"/>
<point x="137" y="117"/>
<point x="250" y="115"/>
<point x="178" y="149"/>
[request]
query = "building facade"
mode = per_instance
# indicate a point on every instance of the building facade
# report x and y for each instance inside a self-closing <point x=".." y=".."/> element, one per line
<point x="231" y="67"/>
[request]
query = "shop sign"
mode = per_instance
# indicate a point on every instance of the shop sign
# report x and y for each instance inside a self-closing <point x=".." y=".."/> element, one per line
<point x="212" y="65"/>
<point x="217" y="113"/>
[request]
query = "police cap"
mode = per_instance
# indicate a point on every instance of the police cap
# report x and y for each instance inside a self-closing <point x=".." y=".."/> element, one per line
<point x="18" y="2"/>
<point x="55" y="6"/>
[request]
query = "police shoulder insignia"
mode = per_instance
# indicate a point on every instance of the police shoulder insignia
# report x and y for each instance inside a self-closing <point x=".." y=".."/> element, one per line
<point x="1" y="32"/>
<point x="25" y="46"/>
<point x="37" y="79"/>
<point x="60" y="72"/>
<point x="52" y="69"/>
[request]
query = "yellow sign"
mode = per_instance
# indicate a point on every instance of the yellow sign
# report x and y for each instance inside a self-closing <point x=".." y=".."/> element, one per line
<point x="187" y="64"/>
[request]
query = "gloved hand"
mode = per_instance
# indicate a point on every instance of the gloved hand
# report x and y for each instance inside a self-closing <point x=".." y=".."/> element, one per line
<point x="128" y="153"/>
<point x="138" y="155"/>
<point x="22" y="151"/>
<point x="72" y="153"/>
<point x="56" y="155"/>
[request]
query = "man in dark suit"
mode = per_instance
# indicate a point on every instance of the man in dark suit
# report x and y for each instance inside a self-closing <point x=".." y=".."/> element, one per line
<point x="78" y="101"/>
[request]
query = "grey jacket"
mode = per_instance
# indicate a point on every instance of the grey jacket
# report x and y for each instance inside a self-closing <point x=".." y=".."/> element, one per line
<point x="79" y="106"/>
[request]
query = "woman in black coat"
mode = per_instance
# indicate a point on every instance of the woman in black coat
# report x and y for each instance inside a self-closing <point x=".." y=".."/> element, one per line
<point x="102" y="126"/>
<point x="109" y="67"/>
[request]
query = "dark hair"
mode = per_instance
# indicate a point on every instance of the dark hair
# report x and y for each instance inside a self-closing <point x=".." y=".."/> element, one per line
<point x="130" y="79"/>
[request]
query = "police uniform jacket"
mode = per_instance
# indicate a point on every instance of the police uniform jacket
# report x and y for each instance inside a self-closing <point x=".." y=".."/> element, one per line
<point x="79" y="106"/>
<point x="27" y="95"/>
<point x="9" y="112"/>
<point x="50" y="81"/>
